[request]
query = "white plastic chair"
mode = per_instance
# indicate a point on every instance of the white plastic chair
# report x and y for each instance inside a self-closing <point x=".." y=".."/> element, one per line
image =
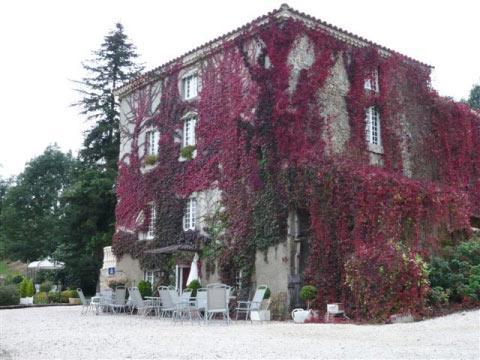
<point x="86" y="303"/>
<point x="253" y="305"/>
<point x="217" y="301"/>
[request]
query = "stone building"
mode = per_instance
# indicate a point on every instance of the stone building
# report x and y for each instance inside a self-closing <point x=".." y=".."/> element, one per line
<point x="165" y="121"/>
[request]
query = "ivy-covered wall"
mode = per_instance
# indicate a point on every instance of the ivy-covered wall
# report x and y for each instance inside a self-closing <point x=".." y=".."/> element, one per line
<point x="281" y="125"/>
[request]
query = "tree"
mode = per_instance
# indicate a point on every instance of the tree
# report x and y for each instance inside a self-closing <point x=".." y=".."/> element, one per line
<point x="31" y="214"/>
<point x="90" y="203"/>
<point x="474" y="98"/>
<point x="4" y="184"/>
<point x="88" y="226"/>
<point x="112" y="65"/>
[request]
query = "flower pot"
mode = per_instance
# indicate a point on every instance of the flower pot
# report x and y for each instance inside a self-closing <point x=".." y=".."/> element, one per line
<point x="74" y="301"/>
<point x="26" y="300"/>
<point x="299" y="315"/>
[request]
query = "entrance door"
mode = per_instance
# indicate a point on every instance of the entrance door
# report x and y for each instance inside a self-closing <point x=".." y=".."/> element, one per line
<point x="181" y="277"/>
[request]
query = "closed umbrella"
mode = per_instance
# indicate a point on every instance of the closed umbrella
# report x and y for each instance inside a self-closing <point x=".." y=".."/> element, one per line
<point x="193" y="275"/>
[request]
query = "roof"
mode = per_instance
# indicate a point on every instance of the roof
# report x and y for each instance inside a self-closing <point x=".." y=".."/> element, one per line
<point x="284" y="11"/>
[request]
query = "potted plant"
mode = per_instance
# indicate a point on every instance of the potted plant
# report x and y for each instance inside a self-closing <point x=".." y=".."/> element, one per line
<point x="26" y="292"/>
<point x="307" y="293"/>
<point x="194" y="285"/>
<point x="145" y="288"/>
<point x="73" y="297"/>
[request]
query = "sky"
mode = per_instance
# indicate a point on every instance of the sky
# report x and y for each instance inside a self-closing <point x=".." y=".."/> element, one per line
<point x="44" y="42"/>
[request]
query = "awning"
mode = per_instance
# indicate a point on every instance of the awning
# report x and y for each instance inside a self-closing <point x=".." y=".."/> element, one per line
<point x="172" y="248"/>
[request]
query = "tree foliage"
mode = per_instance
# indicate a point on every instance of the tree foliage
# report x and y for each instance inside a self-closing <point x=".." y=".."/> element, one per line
<point x="32" y="215"/>
<point x="113" y="64"/>
<point x="474" y="98"/>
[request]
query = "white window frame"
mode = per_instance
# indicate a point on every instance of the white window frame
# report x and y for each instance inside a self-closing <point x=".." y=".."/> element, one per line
<point x="152" y="218"/>
<point x="190" y="214"/>
<point x="373" y="126"/>
<point x="149" y="275"/>
<point x="371" y="82"/>
<point x="152" y="138"/>
<point x="190" y="86"/>
<point x="188" y="136"/>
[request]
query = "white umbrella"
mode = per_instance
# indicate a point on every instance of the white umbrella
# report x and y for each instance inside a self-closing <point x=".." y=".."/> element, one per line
<point x="46" y="264"/>
<point x="193" y="275"/>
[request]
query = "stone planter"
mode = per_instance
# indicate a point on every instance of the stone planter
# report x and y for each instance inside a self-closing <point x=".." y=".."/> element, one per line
<point x="260" y="315"/>
<point x="74" y="301"/>
<point x="299" y="315"/>
<point x="26" y="300"/>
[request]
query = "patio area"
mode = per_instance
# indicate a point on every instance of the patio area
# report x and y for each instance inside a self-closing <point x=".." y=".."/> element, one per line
<point x="61" y="332"/>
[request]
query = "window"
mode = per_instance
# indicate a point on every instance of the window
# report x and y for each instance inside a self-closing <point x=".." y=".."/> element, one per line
<point x="149" y="276"/>
<point x="151" y="140"/>
<point x="189" y="215"/>
<point x="371" y="82"/>
<point x="152" y="217"/>
<point x="372" y="120"/>
<point x="189" y="131"/>
<point x="190" y="86"/>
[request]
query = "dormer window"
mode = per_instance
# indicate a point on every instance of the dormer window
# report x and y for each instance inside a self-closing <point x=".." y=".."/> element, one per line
<point x="372" y="123"/>
<point x="151" y="140"/>
<point x="371" y="82"/>
<point x="190" y="214"/>
<point x="190" y="86"/>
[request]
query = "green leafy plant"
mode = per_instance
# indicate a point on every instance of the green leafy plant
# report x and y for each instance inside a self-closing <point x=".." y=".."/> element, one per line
<point x="64" y="296"/>
<point x="187" y="152"/>
<point x="194" y="285"/>
<point x="23" y="288"/>
<point x="308" y="293"/>
<point x="54" y="297"/>
<point x="40" y="298"/>
<point x="150" y="159"/>
<point x="17" y="279"/>
<point x="145" y="288"/>
<point x="30" y="288"/>
<point x="9" y="295"/>
<point x="46" y="286"/>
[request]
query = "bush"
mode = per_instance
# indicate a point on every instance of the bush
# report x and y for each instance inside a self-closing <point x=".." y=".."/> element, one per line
<point x="457" y="272"/>
<point x="438" y="296"/>
<point x="145" y="288"/>
<point x="64" y="296"/>
<point x="308" y="293"/>
<point x="386" y="280"/>
<point x="40" y="298"/>
<point x="17" y="279"/>
<point x="71" y="293"/>
<point x="194" y="285"/>
<point x="54" y="297"/>
<point x="150" y="159"/>
<point x="9" y="295"/>
<point x="30" y="288"/>
<point x="187" y="152"/>
<point x="22" y="288"/>
<point x="46" y="286"/>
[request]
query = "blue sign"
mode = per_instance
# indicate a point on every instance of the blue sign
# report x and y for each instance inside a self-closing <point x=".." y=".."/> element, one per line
<point x="111" y="271"/>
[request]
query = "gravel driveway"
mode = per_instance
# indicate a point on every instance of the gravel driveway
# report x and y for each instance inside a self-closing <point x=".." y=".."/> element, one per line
<point x="61" y="333"/>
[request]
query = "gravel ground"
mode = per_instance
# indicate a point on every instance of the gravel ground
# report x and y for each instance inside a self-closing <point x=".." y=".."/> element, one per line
<point x="62" y="333"/>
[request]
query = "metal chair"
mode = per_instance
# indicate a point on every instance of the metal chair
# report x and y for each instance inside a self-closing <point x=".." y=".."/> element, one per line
<point x="253" y="305"/>
<point x="217" y="302"/>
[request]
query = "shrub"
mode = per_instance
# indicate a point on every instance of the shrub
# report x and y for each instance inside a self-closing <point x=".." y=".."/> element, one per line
<point x="308" y="293"/>
<point x="30" y="288"/>
<point x="386" y="281"/>
<point x="17" y="279"/>
<point x="54" y="297"/>
<point x="458" y="271"/>
<point x="64" y="296"/>
<point x="9" y="295"/>
<point x="23" y="288"/>
<point x="40" y="298"/>
<point x="72" y="293"/>
<point x="194" y="285"/>
<point x="145" y="288"/>
<point x="150" y="159"/>
<point x="46" y="286"/>
<point x="187" y="152"/>
<point x="438" y="296"/>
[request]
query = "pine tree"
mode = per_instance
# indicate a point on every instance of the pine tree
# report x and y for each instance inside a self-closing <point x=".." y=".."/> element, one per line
<point x="474" y="99"/>
<point x="113" y="64"/>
